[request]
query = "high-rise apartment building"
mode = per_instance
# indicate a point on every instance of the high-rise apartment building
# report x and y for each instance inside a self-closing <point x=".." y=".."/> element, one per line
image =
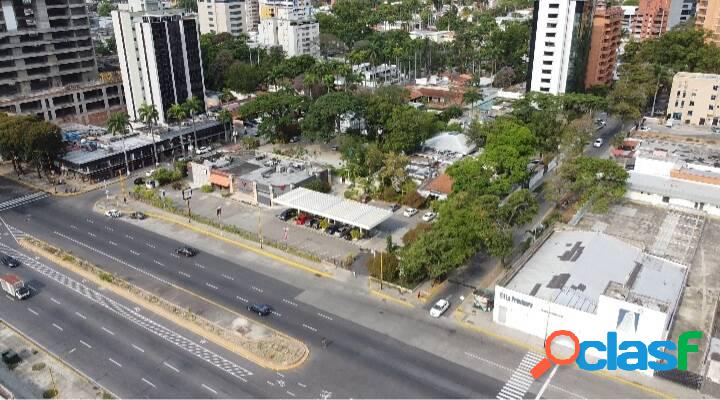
<point x="708" y="18"/>
<point x="559" y="45"/>
<point x="159" y="53"/>
<point x="695" y="99"/>
<point x="232" y="16"/>
<point x="291" y="25"/>
<point x="604" y="43"/>
<point x="655" y="17"/>
<point x="47" y="59"/>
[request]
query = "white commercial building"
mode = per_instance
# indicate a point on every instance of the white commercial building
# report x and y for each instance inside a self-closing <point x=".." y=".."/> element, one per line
<point x="236" y="17"/>
<point x="159" y="53"/>
<point x="559" y="45"/>
<point x="591" y="283"/>
<point x="378" y="75"/>
<point x="290" y="25"/>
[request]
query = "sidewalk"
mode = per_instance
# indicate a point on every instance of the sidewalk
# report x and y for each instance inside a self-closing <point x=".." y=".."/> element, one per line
<point x="67" y="186"/>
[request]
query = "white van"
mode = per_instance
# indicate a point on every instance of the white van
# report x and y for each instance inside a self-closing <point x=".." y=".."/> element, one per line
<point x="669" y="123"/>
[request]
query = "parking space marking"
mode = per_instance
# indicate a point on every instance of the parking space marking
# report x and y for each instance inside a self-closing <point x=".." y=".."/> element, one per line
<point x="148" y="382"/>
<point x="210" y="285"/>
<point x="80" y="315"/>
<point x="289" y="302"/>
<point x="275" y="313"/>
<point x="171" y="367"/>
<point x="309" y="327"/>
<point x="54" y="301"/>
<point x="112" y="243"/>
<point x="129" y="237"/>
<point x="137" y="348"/>
<point x="200" y="266"/>
<point x="159" y="263"/>
<point x="85" y="344"/>
<point x="134" y="252"/>
<point x="209" y="388"/>
<point x="228" y="277"/>
<point x="92" y="234"/>
<point x="58" y="327"/>
<point x="115" y="362"/>
<point x="241" y="299"/>
<point x="108" y="330"/>
<point x="33" y="311"/>
<point x="325" y="316"/>
<point x="185" y="274"/>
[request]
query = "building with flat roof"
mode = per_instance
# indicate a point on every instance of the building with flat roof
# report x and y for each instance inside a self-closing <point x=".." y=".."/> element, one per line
<point x="604" y="43"/>
<point x="592" y="283"/>
<point x="236" y="17"/>
<point x="290" y="24"/>
<point x="695" y="99"/>
<point x="655" y="17"/>
<point x="708" y="18"/>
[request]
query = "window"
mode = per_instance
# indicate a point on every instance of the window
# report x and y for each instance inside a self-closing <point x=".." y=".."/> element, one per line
<point x="555" y="5"/>
<point x="544" y="89"/>
<point x="552" y="15"/>
<point x="666" y="199"/>
<point x="546" y="62"/>
<point x="550" y="44"/>
<point x="551" y="25"/>
<point x="549" y="53"/>
<point x="713" y="97"/>
<point x="690" y="113"/>
<point x="692" y="103"/>
<point x="682" y="104"/>
<point x="676" y="103"/>
<point x="711" y="107"/>
<point x="545" y="80"/>
<point x="546" y="71"/>
<point x="715" y="87"/>
<point x="550" y="34"/>
<point x="684" y="93"/>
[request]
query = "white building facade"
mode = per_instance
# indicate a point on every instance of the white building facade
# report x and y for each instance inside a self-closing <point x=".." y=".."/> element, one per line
<point x="232" y="16"/>
<point x="290" y="25"/>
<point x="159" y="53"/>
<point x="559" y="45"/>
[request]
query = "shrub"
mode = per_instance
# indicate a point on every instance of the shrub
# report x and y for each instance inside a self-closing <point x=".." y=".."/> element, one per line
<point x="318" y="185"/>
<point x="106" y="277"/>
<point x="177" y="185"/>
<point x="181" y="167"/>
<point x="389" y="194"/>
<point x="207" y="188"/>
<point x="251" y="143"/>
<point x="414" y="200"/>
<point x="50" y="393"/>
<point x="390" y="267"/>
<point x="356" y="234"/>
<point x="414" y="233"/>
<point x="38" y="366"/>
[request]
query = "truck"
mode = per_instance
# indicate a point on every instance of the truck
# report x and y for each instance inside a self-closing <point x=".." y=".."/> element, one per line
<point x="14" y="286"/>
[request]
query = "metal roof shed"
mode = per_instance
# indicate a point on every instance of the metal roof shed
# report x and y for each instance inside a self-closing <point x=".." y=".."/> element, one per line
<point x="335" y="208"/>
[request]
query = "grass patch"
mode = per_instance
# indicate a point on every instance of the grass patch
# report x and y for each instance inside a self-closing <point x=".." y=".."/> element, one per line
<point x="50" y="393"/>
<point x="38" y="366"/>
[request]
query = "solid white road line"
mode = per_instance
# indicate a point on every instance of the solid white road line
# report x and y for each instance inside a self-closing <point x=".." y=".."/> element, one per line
<point x="85" y="344"/>
<point x="185" y="274"/>
<point x="159" y="263"/>
<point x="58" y="327"/>
<point x="200" y="266"/>
<point x="80" y="315"/>
<point x="137" y="348"/>
<point x="209" y="388"/>
<point x="148" y="382"/>
<point x="72" y="350"/>
<point x="115" y="362"/>
<point x="33" y="311"/>
<point x="54" y="301"/>
<point x="171" y="367"/>
<point x="108" y="331"/>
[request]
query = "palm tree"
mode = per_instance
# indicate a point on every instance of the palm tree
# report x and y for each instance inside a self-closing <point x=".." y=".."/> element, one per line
<point x="225" y="117"/>
<point x="177" y="113"/>
<point x="193" y="107"/>
<point x="471" y="97"/>
<point x="117" y="124"/>
<point x="226" y="96"/>
<point x="149" y="115"/>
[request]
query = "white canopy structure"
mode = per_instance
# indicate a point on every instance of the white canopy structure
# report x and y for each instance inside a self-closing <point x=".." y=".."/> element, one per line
<point x="335" y="208"/>
<point x="454" y="142"/>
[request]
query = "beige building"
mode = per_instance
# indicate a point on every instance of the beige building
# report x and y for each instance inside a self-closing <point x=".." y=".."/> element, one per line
<point x="232" y="16"/>
<point x="708" y="18"/>
<point x="695" y="99"/>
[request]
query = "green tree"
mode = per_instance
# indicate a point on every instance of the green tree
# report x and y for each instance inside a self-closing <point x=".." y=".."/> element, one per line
<point x="279" y="111"/>
<point x="323" y="117"/>
<point x="408" y="128"/>
<point x="118" y="124"/>
<point x="177" y="113"/>
<point x="225" y="118"/>
<point x="593" y="181"/>
<point x="243" y="78"/>
<point x="190" y="5"/>
<point x="393" y="171"/>
<point x="194" y="106"/>
<point x="149" y="115"/>
<point x="471" y="97"/>
<point x="104" y="8"/>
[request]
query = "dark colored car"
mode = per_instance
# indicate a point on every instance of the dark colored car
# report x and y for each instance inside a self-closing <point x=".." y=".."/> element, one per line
<point x="139" y="181"/>
<point x="287" y="214"/>
<point x="185" y="251"/>
<point x="262" y="310"/>
<point x="313" y="223"/>
<point x="137" y="215"/>
<point x="343" y="230"/>
<point x="330" y="230"/>
<point x="10" y="262"/>
<point x="394" y="207"/>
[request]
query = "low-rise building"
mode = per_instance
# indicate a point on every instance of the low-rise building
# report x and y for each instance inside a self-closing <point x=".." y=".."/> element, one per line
<point x="439" y="188"/>
<point x="434" y="36"/>
<point x="695" y="99"/>
<point x="378" y="75"/>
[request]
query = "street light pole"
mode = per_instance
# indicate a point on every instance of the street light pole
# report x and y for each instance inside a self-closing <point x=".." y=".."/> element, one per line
<point x="381" y="271"/>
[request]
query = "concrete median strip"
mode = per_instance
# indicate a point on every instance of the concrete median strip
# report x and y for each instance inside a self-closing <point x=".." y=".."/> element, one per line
<point x="271" y="349"/>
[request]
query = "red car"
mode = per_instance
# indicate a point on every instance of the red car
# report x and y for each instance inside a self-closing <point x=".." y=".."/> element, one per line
<point x="300" y="220"/>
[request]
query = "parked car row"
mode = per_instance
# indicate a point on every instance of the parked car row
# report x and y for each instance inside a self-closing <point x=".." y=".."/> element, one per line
<point x="311" y="221"/>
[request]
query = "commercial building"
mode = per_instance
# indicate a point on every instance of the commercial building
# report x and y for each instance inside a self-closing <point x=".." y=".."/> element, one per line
<point x="695" y="99"/>
<point x="678" y="174"/>
<point x="604" y="43"/>
<point x="708" y="18"/>
<point x="159" y="52"/>
<point x="591" y="283"/>
<point x="47" y="62"/>
<point x="433" y="36"/>
<point x="655" y="17"/>
<point x="559" y="45"/>
<point x="232" y="16"/>
<point x="291" y="25"/>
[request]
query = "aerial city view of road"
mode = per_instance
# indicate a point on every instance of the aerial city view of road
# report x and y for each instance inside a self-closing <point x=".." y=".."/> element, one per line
<point x="505" y="199"/>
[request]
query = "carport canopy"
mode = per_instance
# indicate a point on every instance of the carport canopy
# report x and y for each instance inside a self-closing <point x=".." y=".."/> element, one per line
<point x="333" y="207"/>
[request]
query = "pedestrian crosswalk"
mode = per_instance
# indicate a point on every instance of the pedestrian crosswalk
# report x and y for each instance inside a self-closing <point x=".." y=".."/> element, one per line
<point x="519" y="383"/>
<point x="16" y="233"/>
<point x="22" y="200"/>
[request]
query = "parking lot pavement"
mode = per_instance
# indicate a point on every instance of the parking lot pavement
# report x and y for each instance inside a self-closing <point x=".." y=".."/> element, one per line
<point x="396" y="226"/>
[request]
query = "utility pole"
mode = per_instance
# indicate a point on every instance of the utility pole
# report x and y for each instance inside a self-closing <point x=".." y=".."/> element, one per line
<point x="381" y="271"/>
<point x="260" y="230"/>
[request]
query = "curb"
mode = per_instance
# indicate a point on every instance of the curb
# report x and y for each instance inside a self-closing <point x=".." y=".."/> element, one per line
<point x="287" y="261"/>
<point x="58" y="359"/>
<point x="224" y="343"/>
<point x="394" y="300"/>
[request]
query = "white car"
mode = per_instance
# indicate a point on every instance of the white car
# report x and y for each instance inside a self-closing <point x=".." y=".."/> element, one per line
<point x="598" y="142"/>
<point x="439" y="308"/>
<point x="429" y="216"/>
<point x="204" y="149"/>
<point x="113" y="213"/>
<point x="409" y="212"/>
<point x="149" y="173"/>
<point x="644" y="129"/>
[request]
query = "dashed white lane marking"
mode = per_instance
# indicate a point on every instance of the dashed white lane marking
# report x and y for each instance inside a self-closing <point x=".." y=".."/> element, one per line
<point x="185" y="274"/>
<point x="290" y="393"/>
<point x="134" y="252"/>
<point x="72" y="350"/>
<point x="54" y="301"/>
<point x="33" y="311"/>
<point x="92" y="234"/>
<point x="73" y="226"/>
<point x="152" y="246"/>
<point x="32" y="287"/>
<point x="108" y="330"/>
<point x="89" y="220"/>
<point x="112" y="243"/>
<point x="110" y="229"/>
<point x="302" y="385"/>
<point x="241" y="299"/>
<point x="200" y="266"/>
<point x="275" y="313"/>
<point x="80" y="315"/>
<point x="280" y="375"/>
<point x="159" y="263"/>
<point x="171" y="367"/>
<point x="270" y="383"/>
<point x="309" y="327"/>
<point x="148" y="382"/>
<point x="325" y="316"/>
<point x="210" y="285"/>
<point x="58" y="327"/>
<point x="115" y="362"/>
<point x="85" y="344"/>
<point x="138" y="348"/>
<point x="129" y="237"/>
<point x="228" y="277"/>
<point x="517" y="386"/>
<point x="209" y="388"/>
<point x="257" y="289"/>
<point x="289" y="302"/>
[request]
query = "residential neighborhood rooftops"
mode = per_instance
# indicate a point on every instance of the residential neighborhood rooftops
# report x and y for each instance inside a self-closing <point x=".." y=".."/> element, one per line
<point x="675" y="188"/>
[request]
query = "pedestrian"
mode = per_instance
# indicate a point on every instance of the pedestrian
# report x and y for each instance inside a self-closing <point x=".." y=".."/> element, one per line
<point x="418" y="295"/>
<point x="125" y="200"/>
